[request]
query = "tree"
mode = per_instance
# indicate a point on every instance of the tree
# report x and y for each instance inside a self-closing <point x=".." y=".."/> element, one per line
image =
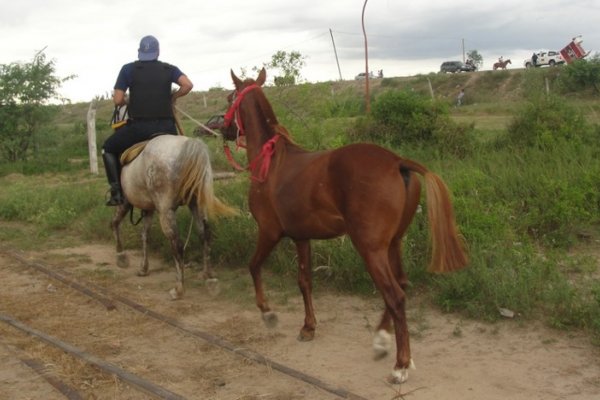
<point x="25" y="91"/>
<point x="289" y="65"/>
<point x="476" y="57"/>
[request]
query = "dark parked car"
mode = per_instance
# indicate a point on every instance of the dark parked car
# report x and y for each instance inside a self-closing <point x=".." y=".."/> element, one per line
<point x="456" y="66"/>
<point x="215" y="123"/>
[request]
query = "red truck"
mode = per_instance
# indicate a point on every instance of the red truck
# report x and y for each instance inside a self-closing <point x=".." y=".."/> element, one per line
<point x="573" y="51"/>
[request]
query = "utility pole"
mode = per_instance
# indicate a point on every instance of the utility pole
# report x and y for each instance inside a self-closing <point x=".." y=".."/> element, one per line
<point x="335" y="52"/>
<point x="367" y="97"/>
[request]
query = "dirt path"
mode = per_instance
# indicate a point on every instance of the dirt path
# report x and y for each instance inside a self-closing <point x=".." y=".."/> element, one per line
<point x="455" y="358"/>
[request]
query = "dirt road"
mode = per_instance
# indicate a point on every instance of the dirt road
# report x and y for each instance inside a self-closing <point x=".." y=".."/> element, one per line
<point x="455" y="358"/>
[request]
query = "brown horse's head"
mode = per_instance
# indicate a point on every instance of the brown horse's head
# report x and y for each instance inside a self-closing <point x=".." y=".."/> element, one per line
<point x="233" y="126"/>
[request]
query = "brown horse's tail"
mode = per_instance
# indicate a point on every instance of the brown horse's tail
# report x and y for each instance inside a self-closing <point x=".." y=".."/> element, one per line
<point x="197" y="181"/>
<point x="448" y="248"/>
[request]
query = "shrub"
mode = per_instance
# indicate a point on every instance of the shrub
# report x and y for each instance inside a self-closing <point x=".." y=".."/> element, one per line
<point x="400" y="117"/>
<point x="582" y="74"/>
<point x="548" y="122"/>
<point x="411" y="115"/>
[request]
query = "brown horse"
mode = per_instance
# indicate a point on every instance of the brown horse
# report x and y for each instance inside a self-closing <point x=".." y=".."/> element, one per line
<point x="361" y="190"/>
<point x="501" y="64"/>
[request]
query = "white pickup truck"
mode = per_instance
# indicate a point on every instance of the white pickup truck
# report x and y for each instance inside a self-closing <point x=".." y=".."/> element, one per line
<point x="550" y="58"/>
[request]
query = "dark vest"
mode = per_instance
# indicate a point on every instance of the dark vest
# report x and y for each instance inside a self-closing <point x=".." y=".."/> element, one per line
<point x="150" y="91"/>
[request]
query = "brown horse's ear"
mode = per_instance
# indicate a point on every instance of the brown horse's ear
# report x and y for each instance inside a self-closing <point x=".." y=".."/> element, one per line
<point x="237" y="82"/>
<point x="262" y="77"/>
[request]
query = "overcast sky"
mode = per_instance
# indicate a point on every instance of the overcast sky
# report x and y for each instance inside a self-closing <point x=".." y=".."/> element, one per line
<point x="205" y="39"/>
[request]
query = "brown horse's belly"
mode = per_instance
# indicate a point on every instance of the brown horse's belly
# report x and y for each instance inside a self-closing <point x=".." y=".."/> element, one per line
<point x="313" y="225"/>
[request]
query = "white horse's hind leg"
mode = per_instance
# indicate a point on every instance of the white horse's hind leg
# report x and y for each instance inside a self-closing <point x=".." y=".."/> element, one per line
<point x="205" y="234"/>
<point x="168" y="223"/>
<point x="147" y="219"/>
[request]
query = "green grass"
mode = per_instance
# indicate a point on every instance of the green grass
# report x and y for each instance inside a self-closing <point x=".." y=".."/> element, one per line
<point x="523" y="207"/>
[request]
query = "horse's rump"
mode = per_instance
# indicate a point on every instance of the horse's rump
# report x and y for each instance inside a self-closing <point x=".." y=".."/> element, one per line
<point x="172" y="171"/>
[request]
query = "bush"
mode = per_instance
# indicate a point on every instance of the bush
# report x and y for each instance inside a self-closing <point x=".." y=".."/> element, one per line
<point x="400" y="117"/>
<point x="412" y="116"/>
<point x="582" y="74"/>
<point x="548" y="122"/>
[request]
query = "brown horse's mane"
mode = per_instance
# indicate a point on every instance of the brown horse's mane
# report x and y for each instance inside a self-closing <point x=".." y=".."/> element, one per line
<point x="271" y="120"/>
<point x="281" y="130"/>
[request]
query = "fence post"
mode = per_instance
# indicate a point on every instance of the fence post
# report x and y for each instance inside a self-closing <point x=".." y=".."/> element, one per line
<point x="430" y="89"/>
<point x="91" y="135"/>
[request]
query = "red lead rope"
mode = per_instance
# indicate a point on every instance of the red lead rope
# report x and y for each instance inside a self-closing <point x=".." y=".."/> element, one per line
<point x="230" y="158"/>
<point x="264" y="160"/>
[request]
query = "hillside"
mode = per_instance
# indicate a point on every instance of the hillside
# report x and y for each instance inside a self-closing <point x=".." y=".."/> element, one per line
<point x="487" y="93"/>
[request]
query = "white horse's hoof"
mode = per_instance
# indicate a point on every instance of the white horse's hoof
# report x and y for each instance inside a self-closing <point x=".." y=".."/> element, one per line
<point x="399" y="376"/>
<point x="122" y="260"/>
<point x="382" y="343"/>
<point x="270" y="319"/>
<point x="213" y="287"/>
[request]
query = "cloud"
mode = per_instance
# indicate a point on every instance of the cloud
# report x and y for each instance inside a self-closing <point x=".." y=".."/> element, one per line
<point x="93" y="38"/>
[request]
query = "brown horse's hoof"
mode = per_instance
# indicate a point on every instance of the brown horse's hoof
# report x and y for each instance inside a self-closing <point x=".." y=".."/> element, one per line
<point x="399" y="376"/>
<point x="141" y="272"/>
<point x="270" y="319"/>
<point x="306" y="335"/>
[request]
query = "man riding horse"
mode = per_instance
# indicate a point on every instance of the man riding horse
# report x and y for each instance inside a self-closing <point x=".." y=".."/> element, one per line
<point x="150" y="107"/>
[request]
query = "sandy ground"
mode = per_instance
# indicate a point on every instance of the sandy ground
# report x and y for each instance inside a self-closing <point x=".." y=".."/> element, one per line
<point x="455" y="358"/>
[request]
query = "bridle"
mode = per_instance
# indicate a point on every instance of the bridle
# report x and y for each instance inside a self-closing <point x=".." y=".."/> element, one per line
<point x="262" y="161"/>
<point x="232" y="114"/>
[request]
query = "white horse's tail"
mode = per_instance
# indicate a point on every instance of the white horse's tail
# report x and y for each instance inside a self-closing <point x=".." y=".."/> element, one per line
<point x="197" y="180"/>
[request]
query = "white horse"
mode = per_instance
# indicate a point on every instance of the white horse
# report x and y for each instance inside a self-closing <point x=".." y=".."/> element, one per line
<point x="169" y="172"/>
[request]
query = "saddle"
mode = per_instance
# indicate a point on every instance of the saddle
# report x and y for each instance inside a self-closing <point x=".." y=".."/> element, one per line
<point x="132" y="152"/>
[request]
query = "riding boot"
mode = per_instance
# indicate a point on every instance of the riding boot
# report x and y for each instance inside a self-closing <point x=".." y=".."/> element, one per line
<point x="113" y="167"/>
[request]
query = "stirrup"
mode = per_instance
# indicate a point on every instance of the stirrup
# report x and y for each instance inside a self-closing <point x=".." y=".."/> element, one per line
<point x="115" y="199"/>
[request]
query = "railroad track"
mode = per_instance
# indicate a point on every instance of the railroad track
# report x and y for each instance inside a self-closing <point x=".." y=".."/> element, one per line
<point x="112" y="302"/>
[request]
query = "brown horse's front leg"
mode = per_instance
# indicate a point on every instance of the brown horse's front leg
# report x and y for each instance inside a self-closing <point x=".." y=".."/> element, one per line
<point x="305" y="282"/>
<point x="264" y="247"/>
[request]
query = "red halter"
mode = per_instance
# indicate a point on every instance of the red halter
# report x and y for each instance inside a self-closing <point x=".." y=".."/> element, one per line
<point x="231" y="113"/>
<point x="263" y="159"/>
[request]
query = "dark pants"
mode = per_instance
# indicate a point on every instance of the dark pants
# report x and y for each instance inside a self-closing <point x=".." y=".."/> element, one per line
<point x="135" y="132"/>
